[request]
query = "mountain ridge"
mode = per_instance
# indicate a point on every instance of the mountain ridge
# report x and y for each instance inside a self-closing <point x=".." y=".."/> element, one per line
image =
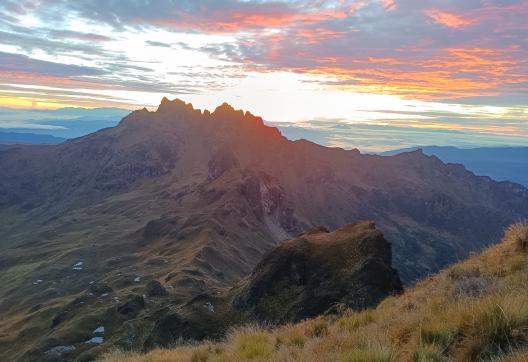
<point x="195" y="199"/>
<point x="500" y="163"/>
<point x="28" y="138"/>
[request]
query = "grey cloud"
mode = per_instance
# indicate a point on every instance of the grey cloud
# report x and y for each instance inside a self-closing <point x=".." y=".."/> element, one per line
<point x="158" y="44"/>
<point x="68" y="34"/>
<point x="34" y="40"/>
<point x="21" y="63"/>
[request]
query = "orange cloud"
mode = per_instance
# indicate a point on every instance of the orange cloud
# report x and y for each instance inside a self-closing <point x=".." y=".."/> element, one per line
<point x="237" y="21"/>
<point x="33" y="90"/>
<point x="448" y="73"/>
<point x="41" y="102"/>
<point x="448" y="19"/>
<point x="47" y="80"/>
<point x="427" y="85"/>
<point x="317" y="35"/>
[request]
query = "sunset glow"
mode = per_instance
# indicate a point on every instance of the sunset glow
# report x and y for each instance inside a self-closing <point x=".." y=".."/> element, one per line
<point x="289" y="61"/>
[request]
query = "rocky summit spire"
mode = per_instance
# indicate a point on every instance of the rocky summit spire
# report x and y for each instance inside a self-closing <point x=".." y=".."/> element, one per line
<point x="173" y="106"/>
<point x="225" y="109"/>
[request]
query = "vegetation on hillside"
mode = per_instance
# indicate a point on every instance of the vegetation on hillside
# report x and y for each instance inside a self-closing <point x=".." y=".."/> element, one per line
<point x="473" y="310"/>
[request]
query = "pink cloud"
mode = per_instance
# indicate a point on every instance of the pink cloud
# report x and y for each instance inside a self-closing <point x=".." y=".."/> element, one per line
<point x="451" y="20"/>
<point x="317" y="35"/>
<point x="233" y="21"/>
<point x="389" y="4"/>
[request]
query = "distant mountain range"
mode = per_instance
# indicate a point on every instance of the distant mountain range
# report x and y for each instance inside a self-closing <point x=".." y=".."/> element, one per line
<point x="29" y="138"/>
<point x="63" y="123"/>
<point x="195" y="200"/>
<point x="500" y="163"/>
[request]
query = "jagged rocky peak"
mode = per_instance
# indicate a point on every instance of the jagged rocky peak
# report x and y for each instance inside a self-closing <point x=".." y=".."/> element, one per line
<point x="224" y="111"/>
<point x="176" y="105"/>
<point x="225" y="108"/>
<point x="227" y="115"/>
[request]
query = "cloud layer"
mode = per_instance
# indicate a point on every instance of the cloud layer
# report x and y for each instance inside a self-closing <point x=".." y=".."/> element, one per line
<point x="91" y="53"/>
<point x="425" y="49"/>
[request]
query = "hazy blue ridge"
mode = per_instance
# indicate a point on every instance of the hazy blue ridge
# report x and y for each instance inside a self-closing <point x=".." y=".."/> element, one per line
<point x="29" y="138"/>
<point x="500" y="163"/>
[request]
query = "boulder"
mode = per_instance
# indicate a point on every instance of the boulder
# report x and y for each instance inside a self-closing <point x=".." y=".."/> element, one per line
<point x="154" y="289"/>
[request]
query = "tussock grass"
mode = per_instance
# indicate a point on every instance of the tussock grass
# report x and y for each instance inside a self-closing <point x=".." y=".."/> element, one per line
<point x="494" y="326"/>
<point x="476" y="310"/>
<point x="517" y="236"/>
<point x="429" y="353"/>
<point x="366" y="356"/>
<point x="184" y="354"/>
<point x="353" y="321"/>
<point x="251" y="344"/>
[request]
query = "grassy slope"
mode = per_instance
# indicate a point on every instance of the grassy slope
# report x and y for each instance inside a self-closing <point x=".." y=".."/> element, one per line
<point x="473" y="310"/>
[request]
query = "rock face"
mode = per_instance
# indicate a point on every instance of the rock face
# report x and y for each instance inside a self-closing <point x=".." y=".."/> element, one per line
<point x="305" y="276"/>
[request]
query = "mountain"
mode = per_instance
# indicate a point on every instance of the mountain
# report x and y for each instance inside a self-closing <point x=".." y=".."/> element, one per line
<point x="500" y="163"/>
<point x="475" y="310"/>
<point x="63" y="123"/>
<point x="195" y="200"/>
<point x="28" y="138"/>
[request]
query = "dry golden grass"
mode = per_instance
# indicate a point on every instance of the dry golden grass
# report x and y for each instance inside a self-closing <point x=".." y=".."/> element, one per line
<point x="517" y="235"/>
<point x="472" y="311"/>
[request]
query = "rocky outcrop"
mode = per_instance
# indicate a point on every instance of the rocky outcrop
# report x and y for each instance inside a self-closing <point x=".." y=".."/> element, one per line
<point x="301" y="278"/>
<point x="307" y="275"/>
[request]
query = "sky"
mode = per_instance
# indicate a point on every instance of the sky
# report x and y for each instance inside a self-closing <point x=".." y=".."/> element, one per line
<point x="408" y="71"/>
